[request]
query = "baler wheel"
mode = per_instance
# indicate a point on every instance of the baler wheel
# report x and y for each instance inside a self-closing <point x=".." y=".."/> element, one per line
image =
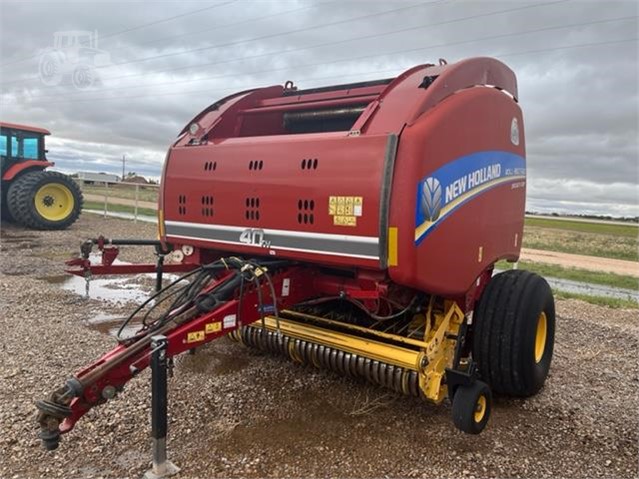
<point x="45" y="200"/>
<point x="514" y="333"/>
<point x="472" y="405"/>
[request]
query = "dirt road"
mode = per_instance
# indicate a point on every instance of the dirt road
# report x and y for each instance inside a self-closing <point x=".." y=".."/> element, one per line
<point x="592" y="263"/>
<point x="235" y="412"/>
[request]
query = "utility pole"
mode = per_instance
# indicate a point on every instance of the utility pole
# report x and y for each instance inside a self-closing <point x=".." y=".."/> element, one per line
<point x="123" y="166"/>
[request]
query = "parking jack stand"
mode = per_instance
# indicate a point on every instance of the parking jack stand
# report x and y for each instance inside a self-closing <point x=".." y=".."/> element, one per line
<point x="161" y="466"/>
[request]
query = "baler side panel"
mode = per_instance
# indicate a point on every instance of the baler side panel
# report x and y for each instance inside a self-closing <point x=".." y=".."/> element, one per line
<point x="471" y="225"/>
<point x="262" y="198"/>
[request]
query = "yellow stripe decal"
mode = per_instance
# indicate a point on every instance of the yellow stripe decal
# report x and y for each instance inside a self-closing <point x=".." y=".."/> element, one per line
<point x="392" y="246"/>
<point x="160" y="224"/>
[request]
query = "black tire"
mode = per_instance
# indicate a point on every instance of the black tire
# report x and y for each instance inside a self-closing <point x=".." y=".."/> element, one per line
<point x="472" y="406"/>
<point x="512" y="353"/>
<point x="22" y="199"/>
<point x="5" y="215"/>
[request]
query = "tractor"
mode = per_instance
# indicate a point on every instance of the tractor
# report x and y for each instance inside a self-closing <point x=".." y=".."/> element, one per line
<point x="75" y="55"/>
<point x="31" y="195"/>
<point x="352" y="227"/>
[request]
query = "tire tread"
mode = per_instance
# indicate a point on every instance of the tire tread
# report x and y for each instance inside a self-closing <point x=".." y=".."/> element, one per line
<point x="21" y="206"/>
<point x="501" y="329"/>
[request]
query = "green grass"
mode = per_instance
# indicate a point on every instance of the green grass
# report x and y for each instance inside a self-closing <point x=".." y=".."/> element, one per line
<point x="92" y="205"/>
<point x="615" y="303"/>
<point x="122" y="191"/>
<point x="615" y="243"/>
<point x="585" y="227"/>
<point x="575" y="274"/>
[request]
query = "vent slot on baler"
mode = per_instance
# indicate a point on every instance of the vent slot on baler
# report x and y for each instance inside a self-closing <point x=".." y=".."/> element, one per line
<point x="252" y="211"/>
<point x="317" y="110"/>
<point x="305" y="211"/>
<point x="207" y="205"/>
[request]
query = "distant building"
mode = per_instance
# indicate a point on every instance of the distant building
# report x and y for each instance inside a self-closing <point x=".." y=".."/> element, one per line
<point x="140" y="180"/>
<point x="91" y="177"/>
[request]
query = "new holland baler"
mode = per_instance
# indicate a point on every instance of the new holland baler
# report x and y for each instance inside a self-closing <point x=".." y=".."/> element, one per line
<point x="352" y="227"/>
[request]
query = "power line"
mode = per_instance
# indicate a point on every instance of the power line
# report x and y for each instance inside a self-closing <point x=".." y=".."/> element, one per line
<point x="375" y="35"/>
<point x="190" y="33"/>
<point x="241" y="22"/>
<point x="360" y="74"/>
<point x="138" y="27"/>
<point x="364" y="57"/>
<point x="568" y="47"/>
<point x="168" y="19"/>
<point x="255" y="39"/>
<point x="338" y="42"/>
<point x="279" y="34"/>
<point x="339" y="22"/>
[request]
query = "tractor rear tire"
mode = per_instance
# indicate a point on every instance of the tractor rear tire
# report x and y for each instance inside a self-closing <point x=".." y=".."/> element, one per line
<point x="45" y="200"/>
<point x="514" y="333"/>
<point x="4" y="207"/>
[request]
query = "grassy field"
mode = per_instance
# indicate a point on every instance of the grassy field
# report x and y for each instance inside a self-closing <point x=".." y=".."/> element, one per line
<point x="599" y="300"/>
<point x="591" y="239"/>
<point x="575" y="274"/>
<point x="584" y="227"/>
<point x="583" y="276"/>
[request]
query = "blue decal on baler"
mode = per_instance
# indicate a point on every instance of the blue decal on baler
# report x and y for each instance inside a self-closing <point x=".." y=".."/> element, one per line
<point x="457" y="182"/>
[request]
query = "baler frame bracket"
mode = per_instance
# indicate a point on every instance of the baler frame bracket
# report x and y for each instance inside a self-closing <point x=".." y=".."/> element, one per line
<point x="440" y="351"/>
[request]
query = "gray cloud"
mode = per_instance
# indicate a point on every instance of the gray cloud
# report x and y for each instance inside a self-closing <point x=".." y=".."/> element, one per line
<point x="580" y="103"/>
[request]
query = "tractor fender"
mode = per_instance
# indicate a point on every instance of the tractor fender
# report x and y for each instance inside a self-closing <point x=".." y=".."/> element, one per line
<point x="19" y="168"/>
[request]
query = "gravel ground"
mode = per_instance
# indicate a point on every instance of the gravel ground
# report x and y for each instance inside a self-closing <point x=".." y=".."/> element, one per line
<point x="240" y="413"/>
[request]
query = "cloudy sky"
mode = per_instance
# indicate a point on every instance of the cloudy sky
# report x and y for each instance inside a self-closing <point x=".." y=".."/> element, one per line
<point x="162" y="62"/>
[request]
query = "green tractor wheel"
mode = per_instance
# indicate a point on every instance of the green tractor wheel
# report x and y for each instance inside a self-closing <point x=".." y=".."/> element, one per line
<point x="44" y="200"/>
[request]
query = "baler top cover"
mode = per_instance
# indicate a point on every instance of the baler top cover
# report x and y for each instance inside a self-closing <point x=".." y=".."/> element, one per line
<point x="421" y="177"/>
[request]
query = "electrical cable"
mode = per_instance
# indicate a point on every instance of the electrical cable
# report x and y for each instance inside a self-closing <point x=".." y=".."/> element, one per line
<point x="153" y="296"/>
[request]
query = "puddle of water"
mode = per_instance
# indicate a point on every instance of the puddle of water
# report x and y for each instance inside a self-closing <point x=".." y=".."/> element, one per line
<point x="590" y="289"/>
<point x="110" y="324"/>
<point x="111" y="290"/>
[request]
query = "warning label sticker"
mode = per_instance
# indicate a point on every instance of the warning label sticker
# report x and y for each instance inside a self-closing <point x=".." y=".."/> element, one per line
<point x="345" y="209"/>
<point x="213" y="327"/>
<point x="195" y="337"/>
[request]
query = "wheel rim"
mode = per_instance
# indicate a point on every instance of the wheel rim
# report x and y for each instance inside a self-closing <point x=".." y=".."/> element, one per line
<point x="540" y="337"/>
<point x="480" y="408"/>
<point x="54" y="201"/>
